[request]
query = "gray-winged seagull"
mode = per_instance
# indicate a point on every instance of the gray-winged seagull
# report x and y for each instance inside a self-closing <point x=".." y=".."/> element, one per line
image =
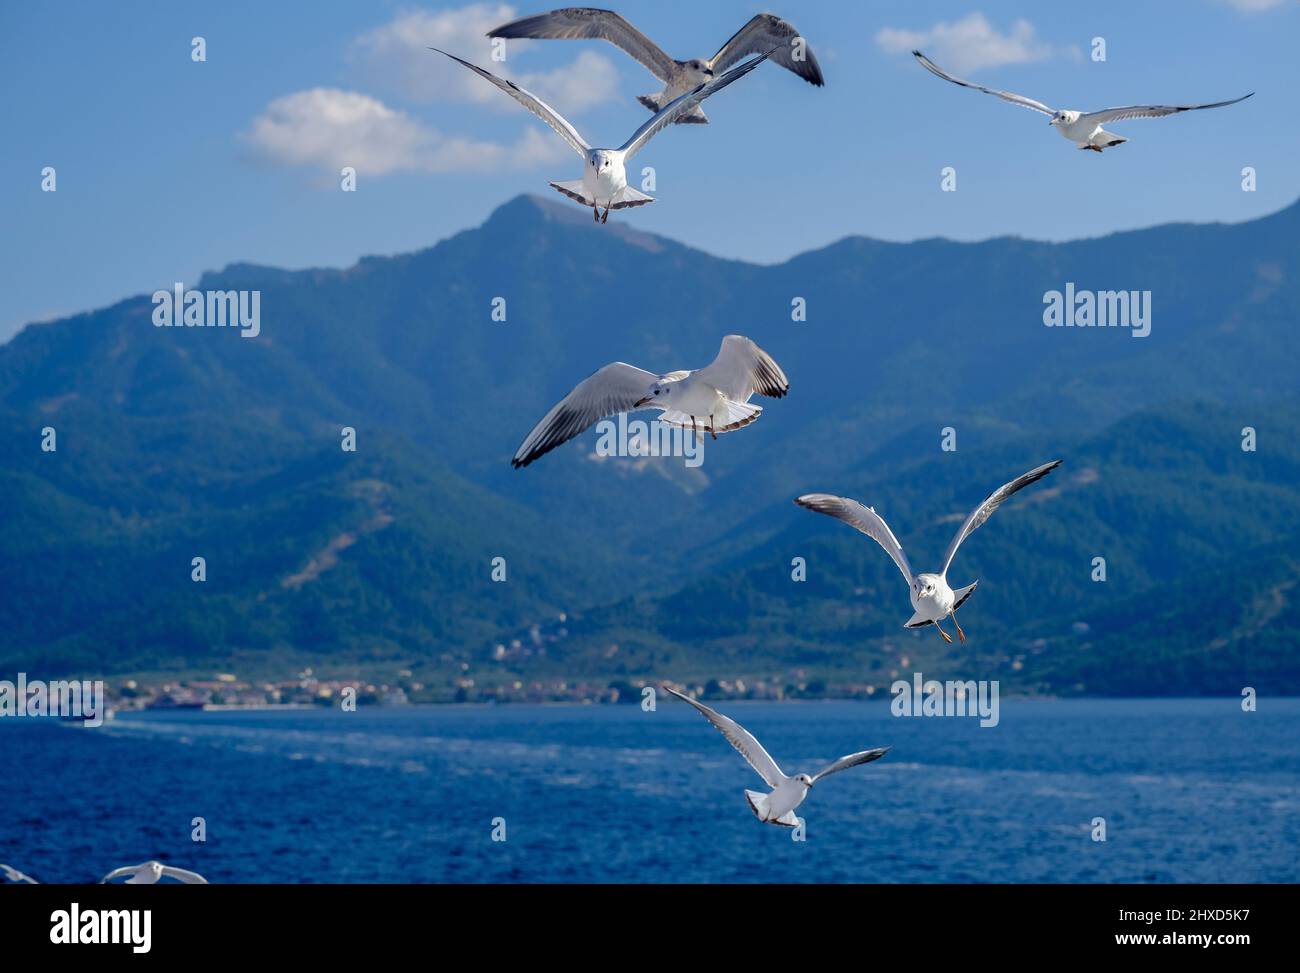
<point x="604" y="174"/>
<point x="788" y="792"/>
<point x="713" y="399"/>
<point x="762" y="33"/>
<point x="1084" y="129"/>
<point x="932" y="598"/>
<point x="151" y="872"/>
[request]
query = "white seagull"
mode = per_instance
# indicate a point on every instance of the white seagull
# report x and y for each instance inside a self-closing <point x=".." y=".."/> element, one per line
<point x="150" y="872"/>
<point x="932" y="598"/>
<point x="713" y="399"/>
<point x="604" y="174"/>
<point x="764" y="32"/>
<point x="1084" y="129"/>
<point x="13" y="875"/>
<point x="787" y="792"/>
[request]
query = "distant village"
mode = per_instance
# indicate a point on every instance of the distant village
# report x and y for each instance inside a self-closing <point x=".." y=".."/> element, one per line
<point x="485" y="682"/>
<point x="227" y="691"/>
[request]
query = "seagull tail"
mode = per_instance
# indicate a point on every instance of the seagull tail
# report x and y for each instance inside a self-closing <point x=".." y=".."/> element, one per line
<point x="758" y="803"/>
<point x="627" y="196"/>
<point x="1102" y="139"/>
<point x="737" y="416"/>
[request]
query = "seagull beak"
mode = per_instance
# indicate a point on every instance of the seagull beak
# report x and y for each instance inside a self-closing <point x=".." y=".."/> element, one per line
<point x="641" y="402"/>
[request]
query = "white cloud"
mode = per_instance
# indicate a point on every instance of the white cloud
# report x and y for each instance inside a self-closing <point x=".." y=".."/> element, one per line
<point x="396" y="55"/>
<point x="328" y="128"/>
<point x="588" y="81"/>
<point x="969" y="44"/>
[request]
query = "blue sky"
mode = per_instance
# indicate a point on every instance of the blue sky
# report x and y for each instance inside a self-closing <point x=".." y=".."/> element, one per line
<point x="167" y="167"/>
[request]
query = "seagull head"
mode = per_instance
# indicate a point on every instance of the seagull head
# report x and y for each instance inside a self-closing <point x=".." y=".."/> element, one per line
<point x="659" y="394"/>
<point x="1064" y="118"/>
<point x="804" y="779"/>
<point x="925" y="585"/>
<point x="599" y="160"/>
<point x="700" y="67"/>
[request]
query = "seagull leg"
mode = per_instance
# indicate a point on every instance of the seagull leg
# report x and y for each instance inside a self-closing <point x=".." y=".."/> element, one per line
<point x="695" y="430"/>
<point x="605" y="218"/>
<point x="946" y="637"/>
<point x="595" y="213"/>
<point x="960" y="634"/>
<point x="711" y="432"/>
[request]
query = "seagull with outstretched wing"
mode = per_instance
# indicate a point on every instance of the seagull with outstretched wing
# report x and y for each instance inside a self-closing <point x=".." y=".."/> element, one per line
<point x="1084" y="129"/>
<point x="713" y="399"/>
<point x="604" y="173"/>
<point x="788" y="792"/>
<point x="763" y="32"/>
<point x="150" y="873"/>
<point x="932" y="598"/>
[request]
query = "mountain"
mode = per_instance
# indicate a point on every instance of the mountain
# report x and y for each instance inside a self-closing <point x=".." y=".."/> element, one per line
<point x="183" y="442"/>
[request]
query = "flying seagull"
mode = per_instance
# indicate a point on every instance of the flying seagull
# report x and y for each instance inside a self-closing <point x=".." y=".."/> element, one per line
<point x="787" y="792"/>
<point x="932" y="598"/>
<point x="764" y="32"/>
<point x="1084" y="129"/>
<point x="150" y="872"/>
<point x="13" y="875"/>
<point x="713" y="399"/>
<point x="604" y="174"/>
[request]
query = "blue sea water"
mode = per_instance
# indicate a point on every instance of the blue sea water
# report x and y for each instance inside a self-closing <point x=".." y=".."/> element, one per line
<point x="1191" y="791"/>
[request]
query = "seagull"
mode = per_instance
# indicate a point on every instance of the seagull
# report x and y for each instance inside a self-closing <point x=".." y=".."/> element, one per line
<point x="604" y="174"/>
<point x="713" y="399"/>
<point x="787" y="792"/>
<point x="1084" y="129"/>
<point x="150" y="872"/>
<point x="932" y="598"/>
<point x="13" y="875"/>
<point x="764" y="32"/>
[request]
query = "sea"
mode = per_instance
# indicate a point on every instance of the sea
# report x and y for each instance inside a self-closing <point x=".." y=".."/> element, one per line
<point x="1182" y="790"/>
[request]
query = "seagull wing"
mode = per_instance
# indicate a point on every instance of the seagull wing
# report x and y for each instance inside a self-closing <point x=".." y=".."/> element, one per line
<point x="741" y="739"/>
<point x="864" y="519"/>
<point x="1015" y="99"/>
<point x="13" y="875"/>
<point x="615" y="388"/>
<point x="1150" y="111"/>
<point x="742" y="368"/>
<point x="994" y="500"/>
<point x="852" y="760"/>
<point x="590" y="22"/>
<point x="684" y="103"/>
<point x="183" y="875"/>
<point x="534" y="104"/>
<point x="763" y="33"/>
<point x="119" y="872"/>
